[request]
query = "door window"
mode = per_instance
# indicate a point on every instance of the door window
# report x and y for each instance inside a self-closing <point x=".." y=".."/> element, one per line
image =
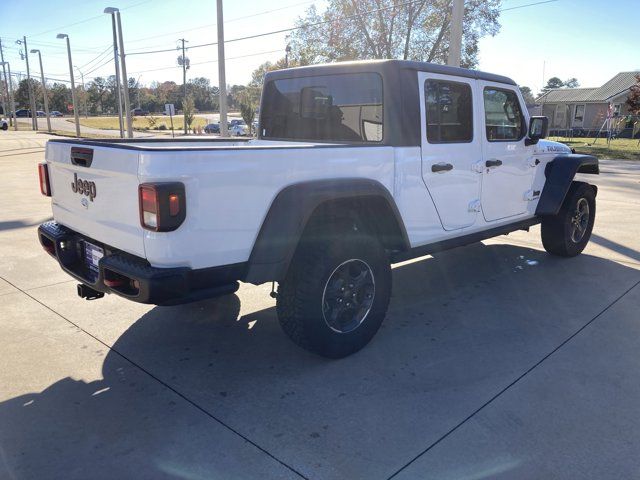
<point x="503" y="116"/>
<point x="449" y="107"/>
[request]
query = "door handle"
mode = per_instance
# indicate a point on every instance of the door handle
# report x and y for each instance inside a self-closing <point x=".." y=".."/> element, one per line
<point x="493" y="163"/>
<point x="441" y="167"/>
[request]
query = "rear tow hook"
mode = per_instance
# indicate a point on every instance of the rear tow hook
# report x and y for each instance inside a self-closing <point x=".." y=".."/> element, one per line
<point x="84" y="291"/>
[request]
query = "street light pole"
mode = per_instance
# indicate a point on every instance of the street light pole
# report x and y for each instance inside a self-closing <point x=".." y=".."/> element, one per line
<point x="73" y="84"/>
<point x="221" y="73"/>
<point x="12" y="105"/>
<point x="125" y="80"/>
<point x="111" y="11"/>
<point x="455" y="33"/>
<point x="44" y="90"/>
<point x="84" y="92"/>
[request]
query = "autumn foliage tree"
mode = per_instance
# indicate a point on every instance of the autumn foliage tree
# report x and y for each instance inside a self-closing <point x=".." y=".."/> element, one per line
<point x="633" y="99"/>
<point x="377" y="29"/>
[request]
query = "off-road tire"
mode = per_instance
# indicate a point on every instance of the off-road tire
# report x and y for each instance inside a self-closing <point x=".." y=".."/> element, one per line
<point x="558" y="232"/>
<point x="301" y="303"/>
<point x="5" y="126"/>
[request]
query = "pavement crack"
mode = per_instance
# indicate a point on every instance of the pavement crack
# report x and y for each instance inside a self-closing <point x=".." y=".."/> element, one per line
<point x="514" y="382"/>
<point x="163" y="383"/>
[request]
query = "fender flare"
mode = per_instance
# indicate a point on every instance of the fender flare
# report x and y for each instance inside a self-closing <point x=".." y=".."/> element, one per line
<point x="560" y="173"/>
<point x="289" y="213"/>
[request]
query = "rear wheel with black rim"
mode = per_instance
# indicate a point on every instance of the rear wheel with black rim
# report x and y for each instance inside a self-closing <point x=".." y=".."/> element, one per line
<point x="336" y="293"/>
<point x="568" y="233"/>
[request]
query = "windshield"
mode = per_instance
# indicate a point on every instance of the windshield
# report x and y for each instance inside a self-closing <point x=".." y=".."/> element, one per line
<point x="324" y="108"/>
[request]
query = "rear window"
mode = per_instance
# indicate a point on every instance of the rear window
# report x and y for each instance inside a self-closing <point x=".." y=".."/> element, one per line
<point x="324" y="108"/>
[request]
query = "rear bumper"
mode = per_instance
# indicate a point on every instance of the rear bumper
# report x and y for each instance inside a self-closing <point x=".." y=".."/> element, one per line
<point x="132" y="277"/>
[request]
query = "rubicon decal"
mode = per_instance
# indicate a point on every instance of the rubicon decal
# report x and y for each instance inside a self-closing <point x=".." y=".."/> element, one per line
<point x="83" y="187"/>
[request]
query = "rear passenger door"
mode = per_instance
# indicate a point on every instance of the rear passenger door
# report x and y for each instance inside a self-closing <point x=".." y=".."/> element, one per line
<point x="508" y="170"/>
<point x="450" y="147"/>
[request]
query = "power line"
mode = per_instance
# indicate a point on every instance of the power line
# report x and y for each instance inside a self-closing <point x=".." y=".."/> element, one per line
<point x="109" y="60"/>
<point x="527" y="5"/>
<point x="290" y="29"/>
<point x="208" y="61"/>
<point x="86" y="20"/>
<point x="100" y="57"/>
<point x="210" y="25"/>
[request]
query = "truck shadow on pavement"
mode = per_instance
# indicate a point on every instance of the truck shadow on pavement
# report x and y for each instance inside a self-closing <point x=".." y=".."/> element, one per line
<point x="461" y="326"/>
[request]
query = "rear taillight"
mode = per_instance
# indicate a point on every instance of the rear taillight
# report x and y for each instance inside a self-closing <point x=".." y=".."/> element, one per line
<point x="163" y="206"/>
<point x="43" y="174"/>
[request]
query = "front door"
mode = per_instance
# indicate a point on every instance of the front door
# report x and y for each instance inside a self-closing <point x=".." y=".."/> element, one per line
<point x="450" y="147"/>
<point x="508" y="168"/>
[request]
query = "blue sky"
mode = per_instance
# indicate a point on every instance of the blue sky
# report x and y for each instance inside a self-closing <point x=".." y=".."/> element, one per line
<point x="588" y="39"/>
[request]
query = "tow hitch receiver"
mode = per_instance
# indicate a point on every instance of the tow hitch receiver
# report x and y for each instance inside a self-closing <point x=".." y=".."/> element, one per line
<point x="89" y="293"/>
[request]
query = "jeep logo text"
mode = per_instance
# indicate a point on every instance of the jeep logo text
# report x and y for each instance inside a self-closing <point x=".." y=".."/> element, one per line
<point x="83" y="187"/>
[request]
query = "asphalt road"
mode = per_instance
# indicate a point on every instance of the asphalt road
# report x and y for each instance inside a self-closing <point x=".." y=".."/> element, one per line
<point x="495" y="361"/>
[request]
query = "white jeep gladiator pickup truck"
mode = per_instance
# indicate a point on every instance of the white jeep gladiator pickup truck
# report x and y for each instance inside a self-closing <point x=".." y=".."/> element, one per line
<point x="356" y="166"/>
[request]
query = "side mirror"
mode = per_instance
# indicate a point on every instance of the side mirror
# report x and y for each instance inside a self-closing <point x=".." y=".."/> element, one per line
<point x="538" y="128"/>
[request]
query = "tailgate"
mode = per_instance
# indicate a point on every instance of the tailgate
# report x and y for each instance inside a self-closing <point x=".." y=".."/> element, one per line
<point x="95" y="192"/>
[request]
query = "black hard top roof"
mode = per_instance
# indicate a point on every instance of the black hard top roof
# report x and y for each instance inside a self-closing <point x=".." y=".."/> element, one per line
<point x="385" y="66"/>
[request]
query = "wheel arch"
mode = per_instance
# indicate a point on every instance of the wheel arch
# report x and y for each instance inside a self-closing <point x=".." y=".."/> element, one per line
<point x="364" y="200"/>
<point x="559" y="174"/>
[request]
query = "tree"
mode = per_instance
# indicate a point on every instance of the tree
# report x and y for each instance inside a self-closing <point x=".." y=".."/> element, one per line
<point x="633" y="99"/>
<point x="59" y="97"/>
<point x="257" y="77"/>
<point x="555" y="82"/>
<point x="22" y="93"/>
<point x="572" y="83"/>
<point x="393" y="29"/>
<point x="249" y="99"/>
<point x="527" y="94"/>
<point x="188" y="110"/>
<point x="97" y="90"/>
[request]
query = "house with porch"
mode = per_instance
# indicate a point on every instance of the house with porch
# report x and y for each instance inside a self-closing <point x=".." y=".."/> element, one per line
<point x="582" y="111"/>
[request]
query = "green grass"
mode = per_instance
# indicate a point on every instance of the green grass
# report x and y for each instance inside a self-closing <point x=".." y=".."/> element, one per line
<point x="140" y="123"/>
<point x="143" y="123"/>
<point x="619" y="149"/>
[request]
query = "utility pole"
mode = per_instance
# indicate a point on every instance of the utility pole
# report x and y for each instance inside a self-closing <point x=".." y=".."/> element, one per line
<point x="84" y="92"/>
<point x="12" y="104"/>
<point x="221" y="74"/>
<point x="184" y="83"/>
<point x="455" y="35"/>
<point x="44" y="90"/>
<point x="287" y="51"/>
<point x="32" y="101"/>
<point x="73" y="84"/>
<point x="111" y="11"/>
<point x="5" y="93"/>
<point x="125" y="80"/>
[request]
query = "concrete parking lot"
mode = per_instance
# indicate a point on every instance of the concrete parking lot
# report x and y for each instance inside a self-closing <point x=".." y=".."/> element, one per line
<point x="495" y="361"/>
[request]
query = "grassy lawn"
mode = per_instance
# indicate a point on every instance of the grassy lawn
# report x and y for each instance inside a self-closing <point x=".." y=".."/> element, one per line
<point x="141" y="123"/>
<point x="145" y="123"/>
<point x="620" y="149"/>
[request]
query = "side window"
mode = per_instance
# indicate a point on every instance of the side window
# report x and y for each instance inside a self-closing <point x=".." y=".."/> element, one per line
<point x="449" y="109"/>
<point x="502" y="115"/>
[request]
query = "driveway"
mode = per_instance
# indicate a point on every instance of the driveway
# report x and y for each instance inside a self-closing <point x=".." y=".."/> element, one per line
<point x="495" y="361"/>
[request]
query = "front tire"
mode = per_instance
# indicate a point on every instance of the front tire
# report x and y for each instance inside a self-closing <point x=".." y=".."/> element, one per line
<point x="567" y="233"/>
<point x="5" y="126"/>
<point x="336" y="293"/>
